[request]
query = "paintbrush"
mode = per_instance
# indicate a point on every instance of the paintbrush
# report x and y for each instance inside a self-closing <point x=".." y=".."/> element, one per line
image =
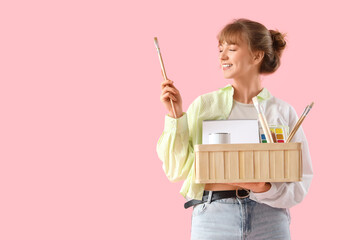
<point x="263" y="121"/>
<point x="163" y="70"/>
<point x="299" y="122"/>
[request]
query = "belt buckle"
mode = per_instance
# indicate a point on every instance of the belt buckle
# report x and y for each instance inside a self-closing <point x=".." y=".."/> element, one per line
<point x="242" y="197"/>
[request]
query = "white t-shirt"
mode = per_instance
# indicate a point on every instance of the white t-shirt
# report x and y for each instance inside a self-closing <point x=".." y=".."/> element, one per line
<point x="243" y="111"/>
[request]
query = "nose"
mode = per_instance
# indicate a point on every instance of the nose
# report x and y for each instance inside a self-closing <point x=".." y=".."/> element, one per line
<point x="223" y="55"/>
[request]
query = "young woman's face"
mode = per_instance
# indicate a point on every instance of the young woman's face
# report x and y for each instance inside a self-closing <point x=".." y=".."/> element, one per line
<point x="235" y="59"/>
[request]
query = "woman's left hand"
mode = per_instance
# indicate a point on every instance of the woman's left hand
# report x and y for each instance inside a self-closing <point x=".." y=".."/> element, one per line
<point x="259" y="187"/>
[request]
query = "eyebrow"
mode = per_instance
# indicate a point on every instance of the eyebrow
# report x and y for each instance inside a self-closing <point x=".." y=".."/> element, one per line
<point x="234" y="44"/>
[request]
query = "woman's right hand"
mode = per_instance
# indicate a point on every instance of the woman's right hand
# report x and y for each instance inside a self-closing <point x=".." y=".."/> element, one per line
<point x="168" y="91"/>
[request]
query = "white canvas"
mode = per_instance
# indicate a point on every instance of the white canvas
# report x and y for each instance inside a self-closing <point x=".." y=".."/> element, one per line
<point x="241" y="131"/>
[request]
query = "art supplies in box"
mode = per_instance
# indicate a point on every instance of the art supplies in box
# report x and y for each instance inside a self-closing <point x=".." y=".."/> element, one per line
<point x="240" y="131"/>
<point x="278" y="134"/>
<point x="271" y="162"/>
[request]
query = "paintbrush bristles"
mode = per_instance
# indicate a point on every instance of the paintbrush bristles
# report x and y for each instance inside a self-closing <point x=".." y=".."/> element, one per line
<point x="311" y="105"/>
<point x="156" y="43"/>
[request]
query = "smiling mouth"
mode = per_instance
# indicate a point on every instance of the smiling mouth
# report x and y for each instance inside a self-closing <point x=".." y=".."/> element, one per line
<point x="226" y="66"/>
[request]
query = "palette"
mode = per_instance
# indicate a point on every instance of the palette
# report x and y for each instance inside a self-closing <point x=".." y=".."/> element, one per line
<point x="278" y="134"/>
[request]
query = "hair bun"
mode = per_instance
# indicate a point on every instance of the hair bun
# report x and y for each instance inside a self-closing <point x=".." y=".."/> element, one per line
<point x="278" y="39"/>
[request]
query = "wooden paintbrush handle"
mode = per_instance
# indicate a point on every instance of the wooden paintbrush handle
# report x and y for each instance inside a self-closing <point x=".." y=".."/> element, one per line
<point x="296" y="127"/>
<point x="265" y="129"/>
<point x="268" y="129"/>
<point x="165" y="78"/>
<point x="172" y="106"/>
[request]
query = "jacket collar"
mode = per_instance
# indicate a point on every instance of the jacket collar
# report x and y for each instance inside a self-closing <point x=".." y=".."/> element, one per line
<point x="262" y="96"/>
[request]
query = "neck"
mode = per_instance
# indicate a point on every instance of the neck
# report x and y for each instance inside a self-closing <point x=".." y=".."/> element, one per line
<point x="246" y="88"/>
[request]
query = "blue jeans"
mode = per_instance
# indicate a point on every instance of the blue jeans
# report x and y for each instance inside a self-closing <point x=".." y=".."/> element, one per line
<point x="234" y="218"/>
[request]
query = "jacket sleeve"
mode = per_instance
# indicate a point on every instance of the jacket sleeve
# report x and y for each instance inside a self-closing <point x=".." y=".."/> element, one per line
<point x="286" y="195"/>
<point x="175" y="146"/>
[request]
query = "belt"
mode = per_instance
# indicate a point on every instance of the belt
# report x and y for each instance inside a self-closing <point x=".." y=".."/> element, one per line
<point x="210" y="196"/>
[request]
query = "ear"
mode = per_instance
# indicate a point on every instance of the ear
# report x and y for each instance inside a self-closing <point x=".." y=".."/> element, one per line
<point x="258" y="56"/>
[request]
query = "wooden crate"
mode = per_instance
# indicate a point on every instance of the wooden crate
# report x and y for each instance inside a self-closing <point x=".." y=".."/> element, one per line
<point x="258" y="162"/>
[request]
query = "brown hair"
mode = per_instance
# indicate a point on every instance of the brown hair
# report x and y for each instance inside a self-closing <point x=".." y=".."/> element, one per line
<point x="259" y="38"/>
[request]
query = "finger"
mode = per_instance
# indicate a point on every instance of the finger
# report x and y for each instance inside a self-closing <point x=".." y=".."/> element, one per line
<point x="173" y="86"/>
<point x="167" y="96"/>
<point x="166" y="82"/>
<point x="166" y="92"/>
<point x="169" y="89"/>
<point x="167" y="86"/>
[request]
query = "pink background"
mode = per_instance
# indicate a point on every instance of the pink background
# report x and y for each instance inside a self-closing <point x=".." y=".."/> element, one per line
<point x="81" y="115"/>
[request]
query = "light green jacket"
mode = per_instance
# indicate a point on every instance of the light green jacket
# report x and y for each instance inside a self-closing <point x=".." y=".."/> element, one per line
<point x="175" y="146"/>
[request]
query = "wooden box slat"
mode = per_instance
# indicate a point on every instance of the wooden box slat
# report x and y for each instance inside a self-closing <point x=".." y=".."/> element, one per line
<point x="258" y="162"/>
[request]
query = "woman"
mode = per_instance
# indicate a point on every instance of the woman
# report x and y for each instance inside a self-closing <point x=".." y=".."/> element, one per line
<point x="238" y="210"/>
